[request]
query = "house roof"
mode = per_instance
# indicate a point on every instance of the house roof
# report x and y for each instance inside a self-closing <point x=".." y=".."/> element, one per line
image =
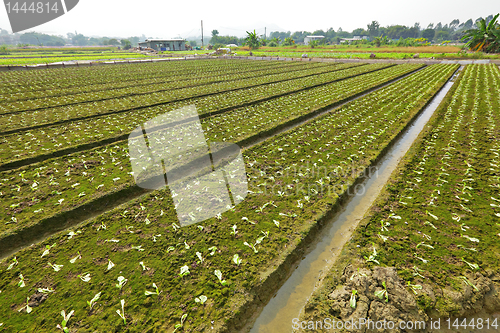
<point x="164" y="40"/>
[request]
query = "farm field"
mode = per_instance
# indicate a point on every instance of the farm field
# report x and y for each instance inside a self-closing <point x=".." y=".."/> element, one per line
<point x="64" y="153"/>
<point x="430" y="243"/>
<point x="17" y="59"/>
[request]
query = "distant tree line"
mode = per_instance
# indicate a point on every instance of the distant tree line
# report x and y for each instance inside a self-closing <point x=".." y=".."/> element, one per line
<point x="76" y="39"/>
<point x="452" y="31"/>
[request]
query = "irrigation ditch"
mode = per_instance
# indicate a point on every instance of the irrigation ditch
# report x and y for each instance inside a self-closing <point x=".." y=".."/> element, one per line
<point x="321" y="254"/>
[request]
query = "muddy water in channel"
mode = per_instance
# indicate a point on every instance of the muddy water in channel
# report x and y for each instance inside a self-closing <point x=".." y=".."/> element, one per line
<point x="277" y="315"/>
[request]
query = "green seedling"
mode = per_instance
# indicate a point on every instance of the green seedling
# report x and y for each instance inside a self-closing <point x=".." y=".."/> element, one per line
<point x="381" y="293"/>
<point x="93" y="300"/>
<point x="122" y="312"/>
<point x="472" y="239"/>
<point x="431" y="215"/>
<point x="47" y="250"/>
<point x="184" y="270"/>
<point x="219" y="276"/>
<point x="472" y="266"/>
<point x="121" y="282"/>
<point x="78" y="256"/>
<point x="198" y="254"/>
<point x="372" y="256"/>
<point x="56" y="267"/>
<point x="177" y="326"/>
<point x="65" y="321"/>
<point x="246" y="219"/>
<point x="234" y="231"/>
<point x="27" y="306"/>
<point x="13" y="263"/>
<point x="236" y="259"/>
<point x="213" y="249"/>
<point x="414" y="287"/>
<point x="468" y="282"/>
<point x="84" y="277"/>
<point x="142" y="265"/>
<point x="156" y="292"/>
<point x="202" y="299"/>
<point x="45" y="290"/>
<point x="429" y="223"/>
<point x="72" y="234"/>
<point x="352" y="301"/>
<point x="416" y="272"/>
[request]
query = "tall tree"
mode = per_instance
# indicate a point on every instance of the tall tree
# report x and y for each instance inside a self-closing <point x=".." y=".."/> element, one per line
<point x="252" y="40"/>
<point x="486" y="37"/>
<point x="373" y="28"/>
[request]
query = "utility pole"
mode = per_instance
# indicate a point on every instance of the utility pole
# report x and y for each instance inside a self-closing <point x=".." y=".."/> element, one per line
<point x="265" y="32"/>
<point x="202" y="34"/>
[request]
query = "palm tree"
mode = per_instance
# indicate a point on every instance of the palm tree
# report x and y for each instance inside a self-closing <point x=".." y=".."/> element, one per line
<point x="485" y="38"/>
<point x="252" y="40"/>
<point x="277" y="40"/>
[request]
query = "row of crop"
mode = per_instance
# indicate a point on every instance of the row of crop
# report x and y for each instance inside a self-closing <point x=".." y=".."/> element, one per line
<point x="180" y="77"/>
<point x="35" y="60"/>
<point x="448" y="202"/>
<point x="439" y="221"/>
<point x="50" y="139"/>
<point x="42" y="197"/>
<point x="271" y="74"/>
<point x="57" y="78"/>
<point x="203" y="273"/>
<point x="18" y="121"/>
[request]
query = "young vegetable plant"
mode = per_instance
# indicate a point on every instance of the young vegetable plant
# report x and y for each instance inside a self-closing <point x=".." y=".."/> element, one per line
<point x="65" y="321"/>
<point x="47" y="249"/>
<point x="202" y="299"/>
<point x="236" y="259"/>
<point x="156" y="292"/>
<point x="184" y="270"/>
<point x="85" y="277"/>
<point x="27" y="306"/>
<point x="93" y="300"/>
<point x="177" y="326"/>
<point x="372" y="256"/>
<point x="381" y="293"/>
<point x="78" y="256"/>
<point x="21" y="283"/>
<point x="218" y="273"/>
<point x="122" y="312"/>
<point x="414" y="287"/>
<point x="121" y="282"/>
<point x="352" y="301"/>
<point x="13" y="263"/>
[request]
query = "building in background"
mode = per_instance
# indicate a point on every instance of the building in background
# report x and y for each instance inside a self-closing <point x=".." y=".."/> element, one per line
<point x="308" y="39"/>
<point x="177" y="44"/>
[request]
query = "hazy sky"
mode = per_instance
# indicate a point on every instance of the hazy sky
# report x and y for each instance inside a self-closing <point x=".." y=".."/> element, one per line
<point x="165" y="19"/>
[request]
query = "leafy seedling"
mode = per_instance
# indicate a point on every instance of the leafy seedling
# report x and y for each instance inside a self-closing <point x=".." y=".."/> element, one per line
<point x="383" y="293"/>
